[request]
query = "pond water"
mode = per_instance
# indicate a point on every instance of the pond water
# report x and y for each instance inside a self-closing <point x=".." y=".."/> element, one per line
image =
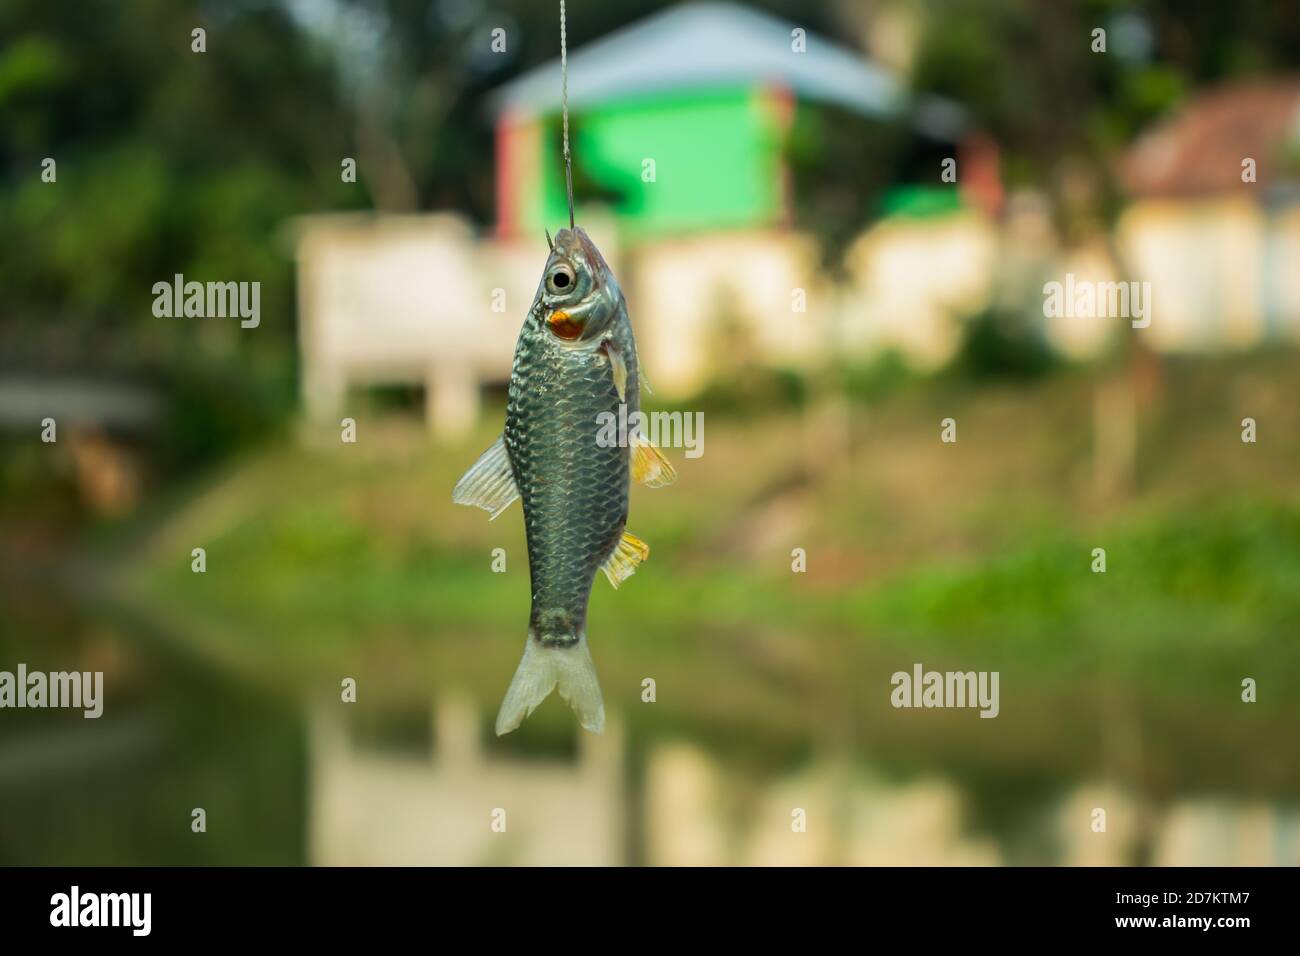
<point x="1083" y="774"/>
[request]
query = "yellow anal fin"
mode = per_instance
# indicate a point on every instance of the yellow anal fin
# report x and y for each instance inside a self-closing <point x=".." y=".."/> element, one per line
<point x="622" y="562"/>
<point x="649" y="466"/>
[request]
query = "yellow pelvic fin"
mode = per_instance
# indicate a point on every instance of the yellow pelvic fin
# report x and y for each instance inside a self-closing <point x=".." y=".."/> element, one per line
<point x="623" y="560"/>
<point x="649" y="466"/>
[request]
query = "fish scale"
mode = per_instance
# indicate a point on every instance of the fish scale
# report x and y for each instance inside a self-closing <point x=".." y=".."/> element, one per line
<point x="574" y="493"/>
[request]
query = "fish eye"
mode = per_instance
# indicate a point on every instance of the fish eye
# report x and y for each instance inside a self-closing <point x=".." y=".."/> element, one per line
<point x="560" y="280"/>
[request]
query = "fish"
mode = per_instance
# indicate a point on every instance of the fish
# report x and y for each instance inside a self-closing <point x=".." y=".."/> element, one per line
<point x="575" y="363"/>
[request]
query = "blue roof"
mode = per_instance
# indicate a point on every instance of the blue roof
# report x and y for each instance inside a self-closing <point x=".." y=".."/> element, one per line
<point x="711" y="45"/>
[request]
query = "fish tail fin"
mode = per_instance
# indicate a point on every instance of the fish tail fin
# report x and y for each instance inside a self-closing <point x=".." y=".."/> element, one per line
<point x="545" y="667"/>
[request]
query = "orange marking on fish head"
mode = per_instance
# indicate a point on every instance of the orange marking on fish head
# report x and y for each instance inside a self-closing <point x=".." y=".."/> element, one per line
<point x="564" y="326"/>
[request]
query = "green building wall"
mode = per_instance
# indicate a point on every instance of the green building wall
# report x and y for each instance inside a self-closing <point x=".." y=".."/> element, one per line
<point x="716" y="162"/>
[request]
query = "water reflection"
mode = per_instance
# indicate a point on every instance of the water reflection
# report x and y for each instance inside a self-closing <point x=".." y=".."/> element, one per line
<point x="673" y="802"/>
<point x="175" y="735"/>
<point x="458" y="805"/>
<point x="387" y="782"/>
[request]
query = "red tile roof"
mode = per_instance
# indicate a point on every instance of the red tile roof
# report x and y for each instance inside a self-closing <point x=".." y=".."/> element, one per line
<point x="1199" y="150"/>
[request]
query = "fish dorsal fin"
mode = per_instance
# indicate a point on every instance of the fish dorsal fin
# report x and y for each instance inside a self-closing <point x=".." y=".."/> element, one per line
<point x="649" y="466"/>
<point x="490" y="482"/>
<point x="623" y="560"/>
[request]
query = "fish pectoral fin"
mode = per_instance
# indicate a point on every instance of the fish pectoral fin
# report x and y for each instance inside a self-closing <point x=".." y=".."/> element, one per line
<point x="617" y="367"/>
<point x="624" y="559"/>
<point x="490" y="482"/>
<point x="649" y="466"/>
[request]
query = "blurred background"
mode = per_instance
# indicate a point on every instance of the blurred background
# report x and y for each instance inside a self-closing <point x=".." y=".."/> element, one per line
<point x="799" y="269"/>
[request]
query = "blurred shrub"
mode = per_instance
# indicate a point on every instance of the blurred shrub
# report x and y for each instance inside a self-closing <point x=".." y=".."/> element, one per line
<point x="998" y="343"/>
<point x="214" y="410"/>
<point x="751" y="389"/>
<point x="877" y="377"/>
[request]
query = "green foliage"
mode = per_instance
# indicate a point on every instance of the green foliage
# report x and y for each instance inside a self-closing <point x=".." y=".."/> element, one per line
<point x="1027" y="73"/>
<point x="840" y="167"/>
<point x="168" y="161"/>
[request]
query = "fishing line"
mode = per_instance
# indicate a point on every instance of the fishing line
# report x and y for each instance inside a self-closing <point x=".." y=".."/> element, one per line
<point x="564" y="98"/>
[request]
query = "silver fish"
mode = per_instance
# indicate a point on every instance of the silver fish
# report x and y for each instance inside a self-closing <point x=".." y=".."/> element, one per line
<point x="575" y="362"/>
